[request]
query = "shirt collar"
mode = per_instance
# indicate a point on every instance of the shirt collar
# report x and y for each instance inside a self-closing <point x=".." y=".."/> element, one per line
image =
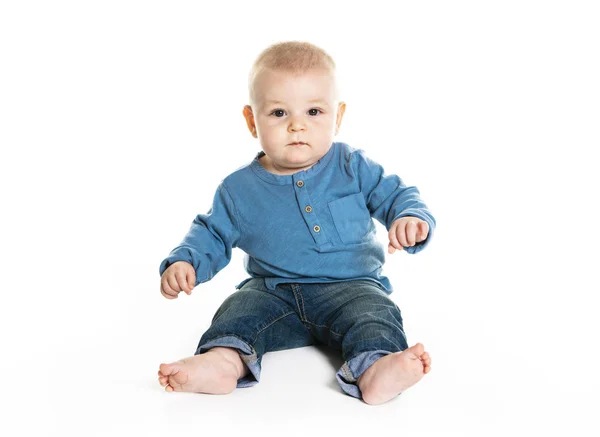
<point x="276" y="179"/>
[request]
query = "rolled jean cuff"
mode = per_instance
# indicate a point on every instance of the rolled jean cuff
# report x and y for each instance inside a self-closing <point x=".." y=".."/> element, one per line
<point x="354" y="368"/>
<point x="246" y="352"/>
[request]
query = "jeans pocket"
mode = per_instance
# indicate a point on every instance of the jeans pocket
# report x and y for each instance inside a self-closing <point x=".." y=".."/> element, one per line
<point x="351" y="218"/>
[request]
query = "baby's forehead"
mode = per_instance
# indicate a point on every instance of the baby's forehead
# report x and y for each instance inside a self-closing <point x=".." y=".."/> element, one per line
<point x="318" y="82"/>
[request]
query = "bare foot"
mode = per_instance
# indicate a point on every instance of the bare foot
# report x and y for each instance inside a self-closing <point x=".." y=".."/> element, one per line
<point x="215" y="372"/>
<point x="391" y="375"/>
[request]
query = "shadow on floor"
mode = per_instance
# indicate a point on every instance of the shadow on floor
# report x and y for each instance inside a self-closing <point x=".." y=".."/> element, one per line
<point x="335" y="359"/>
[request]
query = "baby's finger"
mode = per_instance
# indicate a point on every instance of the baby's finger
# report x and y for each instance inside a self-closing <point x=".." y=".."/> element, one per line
<point x="167" y="291"/>
<point x="401" y="234"/>
<point x="411" y="232"/>
<point x="394" y="243"/>
<point x="181" y="281"/>
<point x="423" y="231"/>
<point x="167" y="295"/>
<point x="172" y="282"/>
<point x="191" y="278"/>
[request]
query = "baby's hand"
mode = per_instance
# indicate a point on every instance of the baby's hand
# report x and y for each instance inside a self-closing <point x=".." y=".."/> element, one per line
<point x="179" y="276"/>
<point x="407" y="231"/>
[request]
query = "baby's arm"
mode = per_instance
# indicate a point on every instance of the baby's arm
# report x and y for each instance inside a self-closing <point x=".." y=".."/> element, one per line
<point x="207" y="247"/>
<point x="397" y="206"/>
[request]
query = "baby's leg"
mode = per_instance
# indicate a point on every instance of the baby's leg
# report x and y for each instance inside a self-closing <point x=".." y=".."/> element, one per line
<point x="249" y="323"/>
<point x="215" y="372"/>
<point x="367" y="326"/>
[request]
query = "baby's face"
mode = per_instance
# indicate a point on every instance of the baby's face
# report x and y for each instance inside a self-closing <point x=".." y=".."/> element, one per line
<point x="295" y="117"/>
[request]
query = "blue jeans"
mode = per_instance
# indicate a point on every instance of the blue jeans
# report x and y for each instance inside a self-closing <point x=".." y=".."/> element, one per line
<point x="356" y="317"/>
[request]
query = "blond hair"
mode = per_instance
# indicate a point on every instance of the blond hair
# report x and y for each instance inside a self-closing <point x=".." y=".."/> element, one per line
<point x="291" y="57"/>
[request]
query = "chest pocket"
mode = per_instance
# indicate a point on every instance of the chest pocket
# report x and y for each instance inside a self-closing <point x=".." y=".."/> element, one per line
<point x="351" y="218"/>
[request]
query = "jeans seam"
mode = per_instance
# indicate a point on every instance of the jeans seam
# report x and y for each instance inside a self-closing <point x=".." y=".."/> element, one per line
<point x="295" y="289"/>
<point x="302" y="300"/>
<point x="271" y="324"/>
<point x="324" y="326"/>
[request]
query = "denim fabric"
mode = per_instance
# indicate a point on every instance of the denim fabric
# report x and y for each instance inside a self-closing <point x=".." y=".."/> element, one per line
<point x="355" y="317"/>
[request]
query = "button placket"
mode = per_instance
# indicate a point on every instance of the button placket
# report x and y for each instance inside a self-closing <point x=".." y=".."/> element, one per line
<point x="308" y="213"/>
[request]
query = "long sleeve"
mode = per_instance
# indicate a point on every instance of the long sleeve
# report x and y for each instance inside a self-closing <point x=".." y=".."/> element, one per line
<point x="388" y="198"/>
<point x="208" y="244"/>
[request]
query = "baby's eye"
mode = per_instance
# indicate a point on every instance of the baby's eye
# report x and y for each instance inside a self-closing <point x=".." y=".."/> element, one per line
<point x="278" y="113"/>
<point x="314" y="111"/>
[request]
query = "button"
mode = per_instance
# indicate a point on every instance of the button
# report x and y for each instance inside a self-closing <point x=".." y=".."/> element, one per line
<point x="300" y="184"/>
<point x="308" y="208"/>
<point x="317" y="229"/>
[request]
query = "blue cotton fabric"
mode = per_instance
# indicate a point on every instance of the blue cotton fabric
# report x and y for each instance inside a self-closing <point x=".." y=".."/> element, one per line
<point x="314" y="226"/>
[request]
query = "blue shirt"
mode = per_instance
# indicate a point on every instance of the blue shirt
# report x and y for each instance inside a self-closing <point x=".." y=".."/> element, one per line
<point x="312" y="226"/>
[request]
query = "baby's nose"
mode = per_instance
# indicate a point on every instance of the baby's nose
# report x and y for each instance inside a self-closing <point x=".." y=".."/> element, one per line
<point x="296" y="125"/>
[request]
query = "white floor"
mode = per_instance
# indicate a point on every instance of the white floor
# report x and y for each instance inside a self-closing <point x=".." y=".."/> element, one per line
<point x="90" y="369"/>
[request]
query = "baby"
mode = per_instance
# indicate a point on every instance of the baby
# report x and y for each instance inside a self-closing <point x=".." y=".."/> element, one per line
<point x="302" y="212"/>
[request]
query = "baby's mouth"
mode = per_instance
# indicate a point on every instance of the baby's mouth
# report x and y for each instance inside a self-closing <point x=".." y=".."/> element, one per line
<point x="298" y="144"/>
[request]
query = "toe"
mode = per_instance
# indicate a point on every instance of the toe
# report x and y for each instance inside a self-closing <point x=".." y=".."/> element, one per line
<point x="427" y="364"/>
<point x="174" y="385"/>
<point x="169" y="369"/>
<point x="418" y="349"/>
<point x="426" y="359"/>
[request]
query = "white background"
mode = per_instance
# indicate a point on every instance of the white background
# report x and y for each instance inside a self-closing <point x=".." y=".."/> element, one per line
<point x="118" y="119"/>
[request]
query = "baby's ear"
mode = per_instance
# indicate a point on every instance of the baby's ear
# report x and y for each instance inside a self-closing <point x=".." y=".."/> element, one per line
<point x="340" y="115"/>
<point x="249" y="116"/>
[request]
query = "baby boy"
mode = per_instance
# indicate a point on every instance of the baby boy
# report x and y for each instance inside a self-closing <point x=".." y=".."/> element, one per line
<point x="302" y="212"/>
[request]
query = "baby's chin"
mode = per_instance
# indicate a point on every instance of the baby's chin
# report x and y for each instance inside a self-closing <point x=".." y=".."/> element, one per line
<point x="295" y="159"/>
<point x="296" y="165"/>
